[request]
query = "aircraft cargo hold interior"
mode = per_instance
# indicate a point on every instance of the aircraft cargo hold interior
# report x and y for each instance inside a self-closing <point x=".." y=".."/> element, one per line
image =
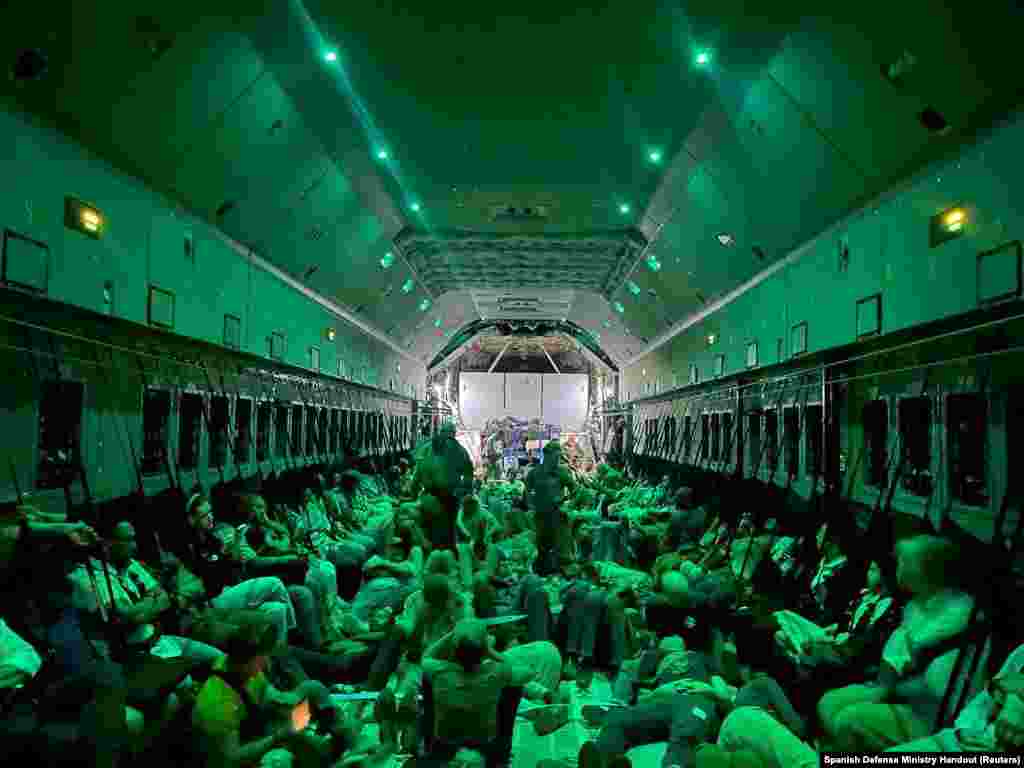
<point x="466" y="385"/>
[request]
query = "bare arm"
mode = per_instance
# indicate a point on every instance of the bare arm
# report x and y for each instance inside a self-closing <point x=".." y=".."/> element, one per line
<point x="234" y="753"/>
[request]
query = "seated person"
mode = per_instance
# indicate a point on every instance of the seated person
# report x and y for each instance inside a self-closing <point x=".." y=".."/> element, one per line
<point x="335" y="536"/>
<point x="690" y="597"/>
<point x="499" y="593"/>
<point x="406" y="481"/>
<point x="122" y="597"/>
<point x="76" y="718"/>
<point x="467" y="677"/>
<point x="765" y="734"/>
<point x="688" y="523"/>
<point x="207" y="568"/>
<point x="902" y="703"/>
<point x="273" y="537"/>
<point x="977" y="727"/>
<point x="670" y="662"/>
<point x="835" y="581"/>
<point x="389" y="579"/>
<point x="870" y="620"/>
<point x="239" y="718"/>
<point x="592" y="618"/>
<point x="749" y="548"/>
<point x="476" y="529"/>
<point x="408" y="518"/>
<point x="689" y="716"/>
<point x="427" y="614"/>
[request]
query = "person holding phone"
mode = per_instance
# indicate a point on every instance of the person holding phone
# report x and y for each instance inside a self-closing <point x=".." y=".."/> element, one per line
<point x="239" y="718"/>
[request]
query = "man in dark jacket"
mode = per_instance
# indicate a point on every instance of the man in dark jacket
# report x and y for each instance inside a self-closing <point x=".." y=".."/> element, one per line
<point x="445" y="471"/>
<point x="545" y="486"/>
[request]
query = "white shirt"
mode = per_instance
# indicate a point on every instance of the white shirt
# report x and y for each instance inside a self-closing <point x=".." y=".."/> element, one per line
<point x="130" y="584"/>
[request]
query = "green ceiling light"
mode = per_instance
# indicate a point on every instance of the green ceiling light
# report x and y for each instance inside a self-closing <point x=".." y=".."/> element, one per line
<point x="624" y="208"/>
<point x="703" y="58"/>
<point x="725" y="239"/>
<point x="407" y="286"/>
<point x="438" y="323"/>
<point x="382" y="154"/>
<point x="424" y="305"/>
<point x="331" y="56"/>
<point x="653" y="264"/>
<point x="388" y="260"/>
<point x="617" y="306"/>
<point x="633" y="287"/>
<point x="415" y="207"/>
<point x="654" y="156"/>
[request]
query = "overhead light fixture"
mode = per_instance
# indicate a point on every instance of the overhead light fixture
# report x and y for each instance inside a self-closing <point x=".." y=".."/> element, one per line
<point x="725" y="239"/>
<point x="712" y="339"/>
<point x="83" y="217"/>
<point x="407" y="286"/>
<point x="387" y="260"/>
<point x="415" y="207"/>
<point x="947" y="225"/>
<point x="624" y="208"/>
<point x="331" y="334"/>
<point x="91" y="220"/>
<point x="654" y="156"/>
<point x="703" y="58"/>
<point x="331" y="56"/>
<point x="653" y="264"/>
<point x="617" y="306"/>
<point x="438" y="323"/>
<point x="382" y="154"/>
<point x="953" y="220"/>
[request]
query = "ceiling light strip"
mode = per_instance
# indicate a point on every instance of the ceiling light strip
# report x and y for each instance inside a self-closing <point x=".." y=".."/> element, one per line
<point x="309" y="293"/>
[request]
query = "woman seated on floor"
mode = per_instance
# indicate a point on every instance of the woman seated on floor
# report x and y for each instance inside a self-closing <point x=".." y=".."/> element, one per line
<point x="902" y="704"/>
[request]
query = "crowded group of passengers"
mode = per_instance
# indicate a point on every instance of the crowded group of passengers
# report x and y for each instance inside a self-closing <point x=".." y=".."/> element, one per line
<point x="361" y="618"/>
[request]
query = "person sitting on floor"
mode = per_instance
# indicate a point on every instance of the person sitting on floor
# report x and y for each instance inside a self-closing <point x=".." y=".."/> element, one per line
<point x="975" y="729"/>
<point x="467" y="677"/>
<point x="870" y="619"/>
<point x="239" y="718"/>
<point x="902" y="704"/>
<point x="689" y="715"/>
